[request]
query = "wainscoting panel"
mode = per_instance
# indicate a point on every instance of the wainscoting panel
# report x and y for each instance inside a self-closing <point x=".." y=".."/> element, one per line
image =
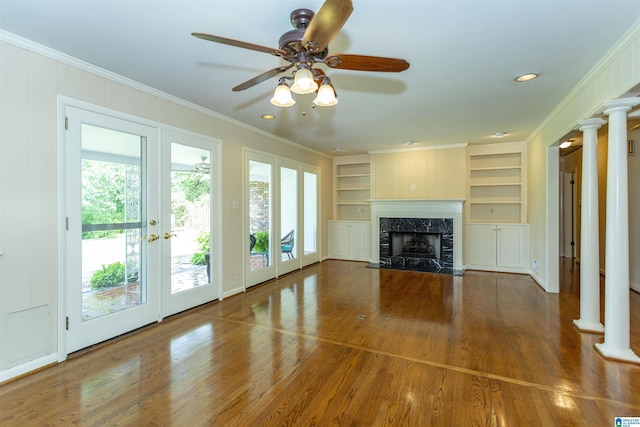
<point x="29" y="334"/>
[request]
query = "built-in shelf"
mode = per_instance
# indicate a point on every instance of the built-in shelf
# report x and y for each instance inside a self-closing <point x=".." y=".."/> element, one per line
<point x="496" y="168"/>
<point x="352" y="188"/>
<point x="352" y="175"/>
<point x="496" y="183"/>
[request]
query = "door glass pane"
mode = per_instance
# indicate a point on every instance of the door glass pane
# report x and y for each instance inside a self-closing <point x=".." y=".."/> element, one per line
<point x="310" y="212"/>
<point x="113" y="182"/>
<point x="190" y="217"/>
<point x="259" y="214"/>
<point x="288" y="212"/>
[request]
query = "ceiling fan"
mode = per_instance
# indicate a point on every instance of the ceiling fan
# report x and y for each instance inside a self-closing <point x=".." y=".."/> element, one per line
<point x="306" y="45"/>
<point x="203" y="166"/>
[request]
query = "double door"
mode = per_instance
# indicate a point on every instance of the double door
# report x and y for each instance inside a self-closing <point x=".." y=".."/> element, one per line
<point x="499" y="247"/>
<point x="139" y="213"/>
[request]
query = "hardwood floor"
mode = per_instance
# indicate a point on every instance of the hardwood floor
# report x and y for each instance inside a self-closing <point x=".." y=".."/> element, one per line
<point x="341" y="344"/>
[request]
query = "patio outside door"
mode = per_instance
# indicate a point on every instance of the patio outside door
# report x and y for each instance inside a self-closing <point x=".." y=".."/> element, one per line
<point x="289" y="237"/>
<point x="112" y="233"/>
<point x="190" y="259"/>
<point x="259" y="170"/>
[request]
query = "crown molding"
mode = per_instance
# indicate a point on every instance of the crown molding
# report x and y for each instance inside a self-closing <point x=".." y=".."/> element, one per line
<point x="48" y="52"/>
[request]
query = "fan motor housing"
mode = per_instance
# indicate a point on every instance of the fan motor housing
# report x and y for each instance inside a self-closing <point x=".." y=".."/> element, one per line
<point x="300" y="18"/>
<point x="291" y="41"/>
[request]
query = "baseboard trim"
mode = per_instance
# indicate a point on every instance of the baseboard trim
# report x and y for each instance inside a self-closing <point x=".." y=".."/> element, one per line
<point x="28" y="368"/>
<point x="538" y="280"/>
<point x="232" y="292"/>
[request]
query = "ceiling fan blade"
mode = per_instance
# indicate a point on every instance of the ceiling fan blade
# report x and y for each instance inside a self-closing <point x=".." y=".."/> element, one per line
<point x="366" y="63"/>
<point x="262" y="77"/>
<point x="238" y="43"/>
<point x="326" y="24"/>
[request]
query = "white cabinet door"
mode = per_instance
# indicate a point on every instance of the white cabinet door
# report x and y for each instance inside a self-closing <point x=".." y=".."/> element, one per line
<point x="482" y="244"/>
<point x="349" y="240"/>
<point x="359" y="241"/>
<point x="509" y="242"/>
<point x="498" y="247"/>
<point x="338" y="240"/>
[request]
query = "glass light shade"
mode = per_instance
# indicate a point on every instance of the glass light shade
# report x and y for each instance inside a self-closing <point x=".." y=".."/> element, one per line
<point x="303" y="82"/>
<point x="326" y="96"/>
<point x="282" y="96"/>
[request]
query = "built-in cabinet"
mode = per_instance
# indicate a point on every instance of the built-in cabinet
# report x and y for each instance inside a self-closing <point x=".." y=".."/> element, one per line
<point x="350" y="240"/>
<point x="498" y="247"/>
<point x="497" y="233"/>
<point x="349" y="232"/>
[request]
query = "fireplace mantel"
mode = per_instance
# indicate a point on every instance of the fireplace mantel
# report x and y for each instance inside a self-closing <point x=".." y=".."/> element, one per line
<point x="418" y="208"/>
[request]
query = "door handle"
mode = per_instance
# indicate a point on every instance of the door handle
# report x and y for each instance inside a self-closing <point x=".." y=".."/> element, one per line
<point x="168" y="235"/>
<point x="152" y="238"/>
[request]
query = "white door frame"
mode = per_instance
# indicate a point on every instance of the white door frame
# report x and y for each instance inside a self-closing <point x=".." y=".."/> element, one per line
<point x="63" y="273"/>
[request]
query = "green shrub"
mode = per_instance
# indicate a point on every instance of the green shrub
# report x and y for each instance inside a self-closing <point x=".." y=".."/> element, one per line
<point x="262" y="241"/>
<point x="108" y="277"/>
<point x="204" y="243"/>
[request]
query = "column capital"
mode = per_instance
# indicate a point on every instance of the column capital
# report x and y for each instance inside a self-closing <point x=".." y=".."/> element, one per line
<point x="622" y="104"/>
<point x="594" y="123"/>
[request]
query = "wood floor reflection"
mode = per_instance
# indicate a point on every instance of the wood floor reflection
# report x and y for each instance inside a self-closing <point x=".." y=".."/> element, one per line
<point x="341" y="344"/>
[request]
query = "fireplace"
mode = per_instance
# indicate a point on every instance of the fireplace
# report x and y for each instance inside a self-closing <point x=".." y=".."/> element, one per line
<point x="417" y="235"/>
<point x="417" y="244"/>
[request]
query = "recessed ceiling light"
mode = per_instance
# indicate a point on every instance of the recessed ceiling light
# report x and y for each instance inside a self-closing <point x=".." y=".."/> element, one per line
<point x="566" y="144"/>
<point x="338" y="150"/>
<point x="268" y="116"/>
<point x="409" y="142"/>
<point x="527" y="77"/>
<point x="499" y="134"/>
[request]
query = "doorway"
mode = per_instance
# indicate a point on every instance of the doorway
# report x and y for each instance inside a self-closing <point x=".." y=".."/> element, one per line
<point x="569" y="211"/>
<point x="140" y="241"/>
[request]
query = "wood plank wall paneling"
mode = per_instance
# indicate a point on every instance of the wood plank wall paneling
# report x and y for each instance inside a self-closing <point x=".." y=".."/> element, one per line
<point x="29" y="94"/>
<point x="438" y="173"/>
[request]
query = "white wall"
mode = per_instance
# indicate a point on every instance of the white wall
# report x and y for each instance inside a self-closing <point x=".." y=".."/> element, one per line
<point x="616" y="74"/>
<point x="31" y="79"/>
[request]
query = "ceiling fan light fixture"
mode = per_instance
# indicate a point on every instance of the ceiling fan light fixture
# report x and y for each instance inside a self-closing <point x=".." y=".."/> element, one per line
<point x="326" y="95"/>
<point x="282" y="96"/>
<point x="303" y="82"/>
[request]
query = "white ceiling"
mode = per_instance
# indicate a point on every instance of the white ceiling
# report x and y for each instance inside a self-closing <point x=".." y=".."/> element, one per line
<point x="460" y="88"/>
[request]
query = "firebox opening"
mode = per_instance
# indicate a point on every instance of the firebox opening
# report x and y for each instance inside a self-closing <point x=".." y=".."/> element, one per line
<point x="415" y="245"/>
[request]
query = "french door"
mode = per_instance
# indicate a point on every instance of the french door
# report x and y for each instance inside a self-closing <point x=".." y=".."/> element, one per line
<point x="140" y="211"/>
<point x="310" y="250"/>
<point x="288" y="197"/>
<point x="259" y="194"/>
<point x="282" y="200"/>
<point x="111" y="221"/>
<point x="190" y="255"/>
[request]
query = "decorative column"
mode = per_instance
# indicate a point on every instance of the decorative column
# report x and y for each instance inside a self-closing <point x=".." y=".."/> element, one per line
<point x="589" y="231"/>
<point x="616" y="298"/>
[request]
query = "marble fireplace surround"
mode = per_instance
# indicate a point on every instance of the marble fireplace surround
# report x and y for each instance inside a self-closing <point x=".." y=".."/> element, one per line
<point x="437" y="209"/>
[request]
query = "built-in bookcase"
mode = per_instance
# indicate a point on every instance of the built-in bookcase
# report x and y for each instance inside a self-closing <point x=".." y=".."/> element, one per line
<point x="352" y="188"/>
<point x="497" y="183"/>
